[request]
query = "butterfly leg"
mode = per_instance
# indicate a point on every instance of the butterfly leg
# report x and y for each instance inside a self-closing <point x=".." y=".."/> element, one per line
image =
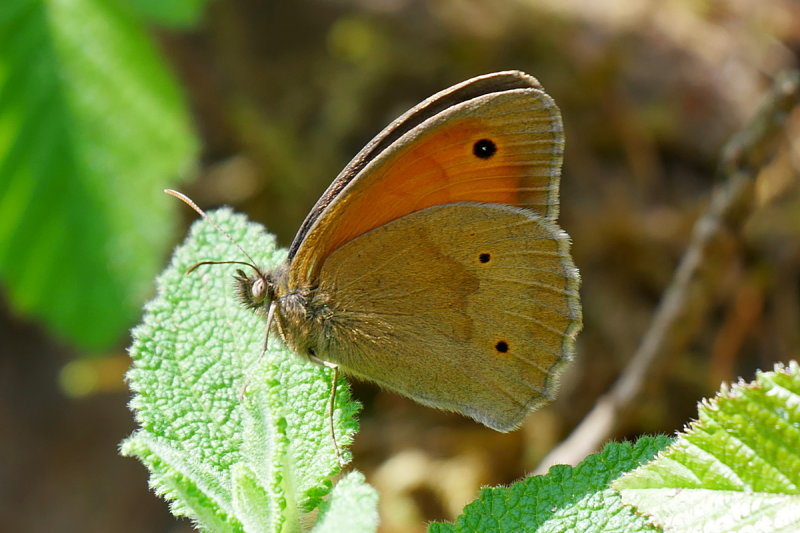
<point x="331" y="403"/>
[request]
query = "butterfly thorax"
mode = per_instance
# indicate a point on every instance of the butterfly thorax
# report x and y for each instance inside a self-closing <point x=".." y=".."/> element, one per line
<point x="302" y="314"/>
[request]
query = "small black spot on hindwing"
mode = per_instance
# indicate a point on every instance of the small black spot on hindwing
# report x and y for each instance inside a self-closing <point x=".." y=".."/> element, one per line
<point x="501" y="346"/>
<point x="484" y="257"/>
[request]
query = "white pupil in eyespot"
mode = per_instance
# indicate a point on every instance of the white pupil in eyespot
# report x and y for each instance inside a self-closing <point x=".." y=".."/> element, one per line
<point x="258" y="289"/>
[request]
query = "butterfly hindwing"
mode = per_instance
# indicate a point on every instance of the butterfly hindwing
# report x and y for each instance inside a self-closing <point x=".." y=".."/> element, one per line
<point x="465" y="307"/>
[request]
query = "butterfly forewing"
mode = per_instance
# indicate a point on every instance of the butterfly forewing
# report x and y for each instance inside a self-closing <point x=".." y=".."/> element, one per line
<point x="495" y="82"/>
<point x="503" y="147"/>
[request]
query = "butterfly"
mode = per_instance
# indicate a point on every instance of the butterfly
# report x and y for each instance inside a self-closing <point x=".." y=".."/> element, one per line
<point x="433" y="264"/>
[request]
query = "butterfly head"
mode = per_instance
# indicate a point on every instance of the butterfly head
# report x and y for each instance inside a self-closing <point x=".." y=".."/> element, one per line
<point x="260" y="288"/>
<point x="256" y="291"/>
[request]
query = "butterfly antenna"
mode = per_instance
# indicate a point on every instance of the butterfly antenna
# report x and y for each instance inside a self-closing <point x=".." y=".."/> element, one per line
<point x="188" y="201"/>
<point x="201" y="263"/>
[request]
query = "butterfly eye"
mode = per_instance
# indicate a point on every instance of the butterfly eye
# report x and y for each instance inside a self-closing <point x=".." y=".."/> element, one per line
<point x="259" y="289"/>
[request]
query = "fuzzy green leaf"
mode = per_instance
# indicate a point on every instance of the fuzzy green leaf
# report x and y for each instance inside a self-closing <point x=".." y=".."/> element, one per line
<point x="259" y="463"/>
<point x="566" y="499"/>
<point x="92" y="128"/>
<point x="353" y="506"/>
<point x="736" y="469"/>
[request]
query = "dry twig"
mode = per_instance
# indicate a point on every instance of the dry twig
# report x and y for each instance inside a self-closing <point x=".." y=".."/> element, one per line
<point x="687" y="299"/>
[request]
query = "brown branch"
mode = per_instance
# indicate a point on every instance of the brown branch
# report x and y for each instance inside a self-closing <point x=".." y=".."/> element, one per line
<point x="688" y="298"/>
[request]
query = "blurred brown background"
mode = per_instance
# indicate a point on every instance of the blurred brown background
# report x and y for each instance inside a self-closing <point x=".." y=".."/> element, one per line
<point x="284" y="93"/>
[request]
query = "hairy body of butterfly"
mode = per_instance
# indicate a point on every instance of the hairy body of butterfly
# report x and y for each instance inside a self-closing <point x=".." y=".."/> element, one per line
<point x="433" y="264"/>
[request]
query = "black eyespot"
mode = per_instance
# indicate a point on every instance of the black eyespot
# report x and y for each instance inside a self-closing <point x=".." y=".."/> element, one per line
<point x="484" y="149"/>
<point x="484" y="258"/>
<point x="501" y="346"/>
<point x="311" y="352"/>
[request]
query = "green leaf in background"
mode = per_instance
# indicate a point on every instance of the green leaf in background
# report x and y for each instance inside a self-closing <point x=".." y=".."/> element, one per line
<point x="566" y="499"/>
<point x="736" y="469"/>
<point x="92" y="128"/>
<point x="175" y="13"/>
<point x="257" y="464"/>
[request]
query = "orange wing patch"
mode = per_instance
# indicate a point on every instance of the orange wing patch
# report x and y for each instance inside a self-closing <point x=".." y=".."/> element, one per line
<point x="509" y="152"/>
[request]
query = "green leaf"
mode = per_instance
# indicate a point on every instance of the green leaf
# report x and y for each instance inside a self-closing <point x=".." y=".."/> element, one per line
<point x="174" y="13"/>
<point x="353" y="507"/>
<point x="258" y="463"/>
<point x="566" y="499"/>
<point x="92" y="128"/>
<point x="736" y="469"/>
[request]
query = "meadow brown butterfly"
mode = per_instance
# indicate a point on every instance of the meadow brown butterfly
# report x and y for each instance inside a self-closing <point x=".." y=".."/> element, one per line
<point x="433" y="264"/>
